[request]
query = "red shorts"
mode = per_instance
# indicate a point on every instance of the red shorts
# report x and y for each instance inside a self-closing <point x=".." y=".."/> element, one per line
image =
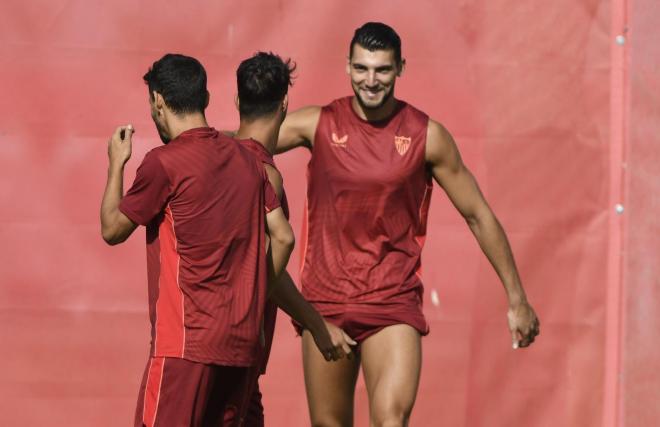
<point x="178" y="392"/>
<point x="360" y="321"/>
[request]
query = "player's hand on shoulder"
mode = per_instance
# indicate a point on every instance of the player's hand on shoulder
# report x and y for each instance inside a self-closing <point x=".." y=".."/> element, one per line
<point x="120" y="145"/>
<point x="523" y="324"/>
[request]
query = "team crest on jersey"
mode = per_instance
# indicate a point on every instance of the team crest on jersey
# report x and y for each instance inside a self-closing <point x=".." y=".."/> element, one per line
<point x="340" y="142"/>
<point x="402" y="144"/>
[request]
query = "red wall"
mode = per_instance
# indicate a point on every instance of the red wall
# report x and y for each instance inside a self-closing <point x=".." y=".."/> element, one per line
<point x="530" y="91"/>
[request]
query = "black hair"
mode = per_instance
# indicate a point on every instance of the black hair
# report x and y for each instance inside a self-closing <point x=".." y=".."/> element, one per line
<point x="377" y="36"/>
<point x="263" y="80"/>
<point x="181" y="80"/>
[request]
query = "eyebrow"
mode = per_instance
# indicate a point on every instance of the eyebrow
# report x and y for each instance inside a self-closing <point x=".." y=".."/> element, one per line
<point x="381" y="68"/>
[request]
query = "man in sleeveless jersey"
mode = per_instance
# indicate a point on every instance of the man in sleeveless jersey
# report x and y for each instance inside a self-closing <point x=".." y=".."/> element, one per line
<point x="374" y="158"/>
<point x="205" y="202"/>
<point x="263" y="81"/>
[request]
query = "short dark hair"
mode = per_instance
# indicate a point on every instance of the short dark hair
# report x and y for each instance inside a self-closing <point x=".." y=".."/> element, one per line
<point x="377" y="36"/>
<point x="181" y="80"/>
<point x="263" y="80"/>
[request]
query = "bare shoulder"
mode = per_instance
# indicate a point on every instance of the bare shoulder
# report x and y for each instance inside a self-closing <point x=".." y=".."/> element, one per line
<point x="298" y="128"/>
<point x="440" y="145"/>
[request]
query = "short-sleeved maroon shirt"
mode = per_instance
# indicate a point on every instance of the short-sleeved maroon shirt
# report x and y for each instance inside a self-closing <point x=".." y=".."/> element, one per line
<point x="270" y="313"/>
<point x="203" y="198"/>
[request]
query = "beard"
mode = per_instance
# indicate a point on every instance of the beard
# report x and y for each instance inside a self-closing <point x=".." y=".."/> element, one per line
<point x="386" y="97"/>
<point x="166" y="140"/>
<point x="161" y="131"/>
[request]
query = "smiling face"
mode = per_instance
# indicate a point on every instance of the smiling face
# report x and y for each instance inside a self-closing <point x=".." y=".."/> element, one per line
<point x="373" y="76"/>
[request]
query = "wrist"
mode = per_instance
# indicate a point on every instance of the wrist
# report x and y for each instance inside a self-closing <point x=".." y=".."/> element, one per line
<point x="516" y="300"/>
<point x="315" y="324"/>
<point x="115" y="166"/>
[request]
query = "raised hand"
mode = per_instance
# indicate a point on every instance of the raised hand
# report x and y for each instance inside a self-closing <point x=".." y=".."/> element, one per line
<point x="120" y="145"/>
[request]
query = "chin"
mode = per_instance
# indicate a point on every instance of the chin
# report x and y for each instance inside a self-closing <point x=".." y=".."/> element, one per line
<point x="372" y="104"/>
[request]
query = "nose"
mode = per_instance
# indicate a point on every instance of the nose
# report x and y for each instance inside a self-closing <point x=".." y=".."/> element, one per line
<point x="371" y="78"/>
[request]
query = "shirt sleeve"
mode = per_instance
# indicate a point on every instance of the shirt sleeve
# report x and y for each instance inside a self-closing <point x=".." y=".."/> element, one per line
<point x="271" y="202"/>
<point x="149" y="193"/>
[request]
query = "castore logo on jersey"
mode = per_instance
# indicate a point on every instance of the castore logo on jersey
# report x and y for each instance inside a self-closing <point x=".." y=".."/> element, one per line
<point x="340" y="142"/>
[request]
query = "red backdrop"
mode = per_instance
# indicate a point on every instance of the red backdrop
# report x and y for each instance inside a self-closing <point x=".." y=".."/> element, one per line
<point x="556" y="119"/>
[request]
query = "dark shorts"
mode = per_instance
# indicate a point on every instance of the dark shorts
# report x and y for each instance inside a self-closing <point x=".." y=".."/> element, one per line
<point x="360" y="321"/>
<point x="178" y="392"/>
<point x="250" y="411"/>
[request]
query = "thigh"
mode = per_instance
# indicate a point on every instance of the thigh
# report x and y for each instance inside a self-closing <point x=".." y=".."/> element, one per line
<point x="391" y="362"/>
<point x="167" y="394"/>
<point x="225" y="397"/>
<point x="330" y="386"/>
<point x="244" y="407"/>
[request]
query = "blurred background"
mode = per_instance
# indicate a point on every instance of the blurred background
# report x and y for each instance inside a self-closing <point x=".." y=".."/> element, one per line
<point x="554" y="106"/>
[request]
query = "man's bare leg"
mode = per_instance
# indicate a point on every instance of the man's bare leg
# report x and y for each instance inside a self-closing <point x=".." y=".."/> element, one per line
<point x="391" y="362"/>
<point x="330" y="386"/>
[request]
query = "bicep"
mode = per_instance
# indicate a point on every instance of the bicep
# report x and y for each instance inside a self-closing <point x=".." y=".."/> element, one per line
<point x="298" y="129"/>
<point x="449" y="171"/>
<point x="278" y="226"/>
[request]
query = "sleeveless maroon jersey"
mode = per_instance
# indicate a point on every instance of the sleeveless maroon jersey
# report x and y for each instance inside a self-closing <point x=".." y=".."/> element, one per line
<point x="367" y="202"/>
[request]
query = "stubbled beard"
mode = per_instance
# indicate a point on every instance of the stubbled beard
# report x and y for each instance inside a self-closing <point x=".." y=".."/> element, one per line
<point x="163" y="138"/>
<point x="161" y="133"/>
<point x="364" y="106"/>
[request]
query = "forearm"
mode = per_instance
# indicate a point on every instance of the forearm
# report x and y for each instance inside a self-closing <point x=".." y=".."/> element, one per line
<point x="288" y="298"/>
<point x="495" y="245"/>
<point x="280" y="251"/>
<point x="114" y="191"/>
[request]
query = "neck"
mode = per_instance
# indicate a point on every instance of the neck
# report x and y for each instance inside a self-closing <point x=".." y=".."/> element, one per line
<point x="374" y="114"/>
<point x="263" y="130"/>
<point x="180" y="124"/>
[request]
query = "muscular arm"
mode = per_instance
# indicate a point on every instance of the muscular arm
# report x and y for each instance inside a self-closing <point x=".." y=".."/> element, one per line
<point x="450" y="173"/>
<point x="281" y="242"/>
<point x="298" y="129"/>
<point x="115" y="226"/>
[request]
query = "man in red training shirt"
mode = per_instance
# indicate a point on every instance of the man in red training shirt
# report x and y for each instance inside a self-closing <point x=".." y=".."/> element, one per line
<point x="263" y="81"/>
<point x="369" y="185"/>
<point x="206" y="202"/>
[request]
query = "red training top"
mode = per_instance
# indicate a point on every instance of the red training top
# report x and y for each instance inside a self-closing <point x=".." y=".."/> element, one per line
<point x="368" y="195"/>
<point x="202" y="198"/>
<point x="270" y="313"/>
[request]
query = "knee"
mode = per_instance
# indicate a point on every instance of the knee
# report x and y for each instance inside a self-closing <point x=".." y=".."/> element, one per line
<point x="396" y="416"/>
<point x="328" y="422"/>
<point x="331" y="420"/>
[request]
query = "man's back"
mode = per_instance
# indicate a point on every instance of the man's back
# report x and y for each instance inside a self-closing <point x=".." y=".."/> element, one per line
<point x="202" y="199"/>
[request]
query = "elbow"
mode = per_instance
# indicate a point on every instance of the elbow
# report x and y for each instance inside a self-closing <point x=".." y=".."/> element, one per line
<point x="472" y="220"/>
<point x="289" y="241"/>
<point x="110" y="237"/>
<point x="286" y="240"/>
